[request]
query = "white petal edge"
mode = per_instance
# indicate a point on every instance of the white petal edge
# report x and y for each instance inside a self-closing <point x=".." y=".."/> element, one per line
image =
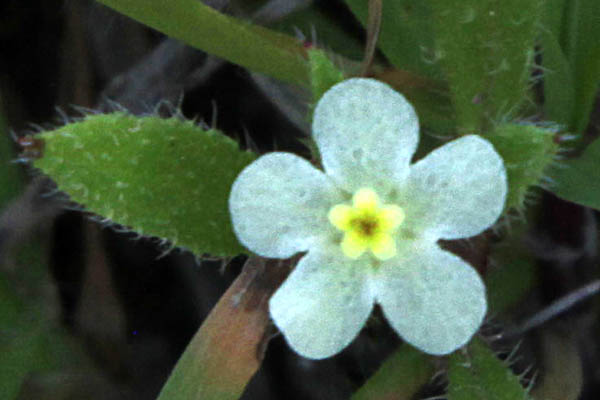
<point x="432" y="298"/>
<point x="366" y="133"/>
<point x="458" y="190"/>
<point x="279" y="205"/>
<point x="323" y="304"/>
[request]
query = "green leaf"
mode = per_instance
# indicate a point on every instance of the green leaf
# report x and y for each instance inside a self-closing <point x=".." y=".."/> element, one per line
<point x="571" y="61"/>
<point x="486" y="49"/>
<point x="400" y="377"/>
<point x="578" y="180"/>
<point x="228" y="348"/>
<point x="583" y="50"/>
<point x="251" y="46"/>
<point x="323" y="73"/>
<point x="406" y="36"/>
<point x="554" y="19"/>
<point x="559" y="89"/>
<point x="480" y="375"/>
<point x="527" y="151"/>
<point x="166" y="178"/>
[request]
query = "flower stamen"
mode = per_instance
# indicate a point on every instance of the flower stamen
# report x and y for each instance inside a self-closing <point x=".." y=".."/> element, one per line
<point x="367" y="225"/>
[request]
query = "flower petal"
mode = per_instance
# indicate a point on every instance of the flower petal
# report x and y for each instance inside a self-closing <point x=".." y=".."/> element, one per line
<point x="279" y="205"/>
<point x="341" y="216"/>
<point x="323" y="304"/>
<point x="458" y="190"/>
<point x="384" y="247"/>
<point x="354" y="245"/>
<point x="432" y="298"/>
<point x="391" y="217"/>
<point x="366" y="133"/>
<point x="365" y="199"/>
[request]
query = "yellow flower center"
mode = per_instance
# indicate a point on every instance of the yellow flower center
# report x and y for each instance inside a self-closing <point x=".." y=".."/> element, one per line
<point x="367" y="225"/>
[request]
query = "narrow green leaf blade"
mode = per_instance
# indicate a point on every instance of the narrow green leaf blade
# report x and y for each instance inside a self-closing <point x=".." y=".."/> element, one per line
<point x="166" y="178"/>
<point x="400" y="377"/>
<point x="578" y="180"/>
<point x="480" y="375"/>
<point x="256" y="48"/>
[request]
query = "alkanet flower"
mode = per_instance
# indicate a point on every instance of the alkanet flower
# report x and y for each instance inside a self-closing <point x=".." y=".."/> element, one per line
<point x="370" y="223"/>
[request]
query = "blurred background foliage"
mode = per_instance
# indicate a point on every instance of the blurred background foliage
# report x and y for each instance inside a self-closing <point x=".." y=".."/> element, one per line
<point x="93" y="312"/>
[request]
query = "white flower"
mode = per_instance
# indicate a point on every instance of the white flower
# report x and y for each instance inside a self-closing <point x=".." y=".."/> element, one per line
<point x="370" y="224"/>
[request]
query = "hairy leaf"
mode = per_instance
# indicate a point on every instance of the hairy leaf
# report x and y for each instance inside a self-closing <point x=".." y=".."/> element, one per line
<point x="486" y="49"/>
<point x="166" y="178"/>
<point x="527" y="151"/>
<point x="480" y="375"/>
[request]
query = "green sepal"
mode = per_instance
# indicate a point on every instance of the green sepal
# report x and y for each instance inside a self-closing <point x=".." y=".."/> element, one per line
<point x="165" y="178"/>
<point x="478" y="374"/>
<point x="323" y="73"/>
<point x="527" y="150"/>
